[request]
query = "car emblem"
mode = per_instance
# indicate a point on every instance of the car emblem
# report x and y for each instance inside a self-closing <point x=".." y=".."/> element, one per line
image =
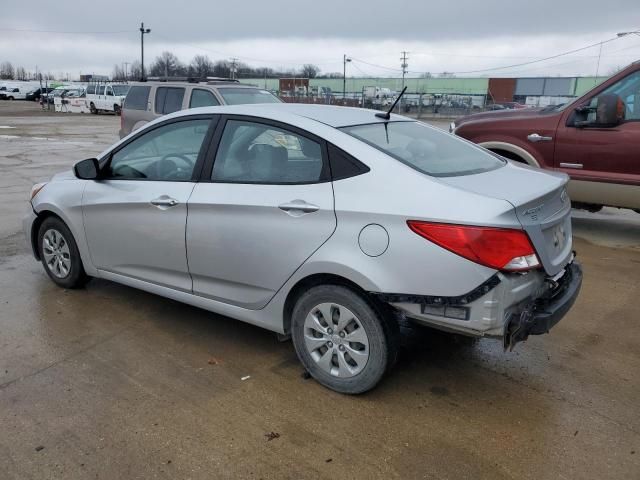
<point x="563" y="195"/>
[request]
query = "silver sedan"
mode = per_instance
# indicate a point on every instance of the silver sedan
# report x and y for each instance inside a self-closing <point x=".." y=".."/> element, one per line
<point x="328" y="224"/>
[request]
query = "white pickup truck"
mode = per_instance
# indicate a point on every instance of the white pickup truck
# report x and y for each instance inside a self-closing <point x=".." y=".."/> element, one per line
<point x="106" y="97"/>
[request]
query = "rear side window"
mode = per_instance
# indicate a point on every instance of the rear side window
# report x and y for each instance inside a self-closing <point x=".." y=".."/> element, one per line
<point x="241" y="96"/>
<point x="344" y="165"/>
<point x="138" y="97"/>
<point x="202" y="98"/>
<point x="169" y="99"/>
<point x="426" y="149"/>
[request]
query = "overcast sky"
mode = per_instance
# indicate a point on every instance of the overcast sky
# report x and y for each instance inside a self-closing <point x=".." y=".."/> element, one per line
<point x="460" y="36"/>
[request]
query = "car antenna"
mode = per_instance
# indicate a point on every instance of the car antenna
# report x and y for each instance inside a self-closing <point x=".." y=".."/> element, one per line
<point x="387" y="115"/>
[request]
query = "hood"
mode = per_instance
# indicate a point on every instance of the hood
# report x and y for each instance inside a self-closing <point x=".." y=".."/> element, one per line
<point x="504" y="115"/>
<point x="66" y="175"/>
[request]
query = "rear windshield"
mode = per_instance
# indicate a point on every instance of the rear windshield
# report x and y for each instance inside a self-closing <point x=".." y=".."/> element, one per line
<point x="425" y="148"/>
<point x="120" y="89"/>
<point x="240" y="96"/>
<point x="137" y="97"/>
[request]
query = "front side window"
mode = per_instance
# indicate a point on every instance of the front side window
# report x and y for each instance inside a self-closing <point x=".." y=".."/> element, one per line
<point x="169" y="99"/>
<point x="166" y="153"/>
<point x="202" y="98"/>
<point x="137" y="98"/>
<point x="629" y="90"/>
<point x="241" y="96"/>
<point x="426" y="149"/>
<point x="258" y="153"/>
<point x="91" y="90"/>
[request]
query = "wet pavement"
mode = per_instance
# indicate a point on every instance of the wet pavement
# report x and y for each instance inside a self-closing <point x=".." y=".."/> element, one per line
<point x="110" y="382"/>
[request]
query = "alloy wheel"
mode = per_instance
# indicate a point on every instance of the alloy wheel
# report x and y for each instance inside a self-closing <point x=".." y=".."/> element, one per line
<point x="55" y="250"/>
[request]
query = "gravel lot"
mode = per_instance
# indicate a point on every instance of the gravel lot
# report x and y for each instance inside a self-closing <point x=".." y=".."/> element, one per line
<point x="110" y="382"/>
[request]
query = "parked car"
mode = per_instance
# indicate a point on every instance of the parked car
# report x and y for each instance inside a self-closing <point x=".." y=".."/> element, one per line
<point x="595" y="139"/>
<point x="103" y="97"/>
<point x="36" y="94"/>
<point x="147" y="101"/>
<point x="283" y="216"/>
<point x="16" y="92"/>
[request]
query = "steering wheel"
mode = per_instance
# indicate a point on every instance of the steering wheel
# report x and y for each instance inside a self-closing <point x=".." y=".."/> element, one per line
<point x="168" y="169"/>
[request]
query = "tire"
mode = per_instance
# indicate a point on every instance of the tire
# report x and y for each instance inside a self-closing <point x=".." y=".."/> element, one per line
<point x="325" y="350"/>
<point x="59" y="254"/>
<point x="116" y="109"/>
<point x="93" y="109"/>
<point x="9" y="98"/>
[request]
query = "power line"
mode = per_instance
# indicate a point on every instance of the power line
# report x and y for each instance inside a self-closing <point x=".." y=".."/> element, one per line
<point x="27" y="30"/>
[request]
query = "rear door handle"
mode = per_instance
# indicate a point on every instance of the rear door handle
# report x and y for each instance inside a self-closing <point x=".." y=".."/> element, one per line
<point x="164" y="201"/>
<point x="299" y="205"/>
<point x="571" y="165"/>
<point x="534" y="137"/>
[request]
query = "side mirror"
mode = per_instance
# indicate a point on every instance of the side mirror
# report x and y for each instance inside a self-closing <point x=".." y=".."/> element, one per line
<point x="88" y="169"/>
<point x="610" y="110"/>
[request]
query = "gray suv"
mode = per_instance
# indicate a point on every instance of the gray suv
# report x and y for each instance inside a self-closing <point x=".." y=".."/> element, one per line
<point x="147" y="101"/>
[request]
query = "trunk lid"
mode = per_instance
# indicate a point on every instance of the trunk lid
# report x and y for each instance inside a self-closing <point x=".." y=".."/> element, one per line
<point x="541" y="204"/>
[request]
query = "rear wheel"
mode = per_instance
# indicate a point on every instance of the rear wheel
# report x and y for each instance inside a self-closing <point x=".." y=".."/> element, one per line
<point x="116" y="109"/>
<point x="93" y="108"/>
<point x="342" y="339"/>
<point x="59" y="254"/>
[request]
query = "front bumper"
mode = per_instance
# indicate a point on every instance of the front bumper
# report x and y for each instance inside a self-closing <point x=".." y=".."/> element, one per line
<point x="538" y="316"/>
<point x="27" y="228"/>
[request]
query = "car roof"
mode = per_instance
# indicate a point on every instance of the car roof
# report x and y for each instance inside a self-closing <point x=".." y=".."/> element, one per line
<point x="212" y="84"/>
<point x="334" y="116"/>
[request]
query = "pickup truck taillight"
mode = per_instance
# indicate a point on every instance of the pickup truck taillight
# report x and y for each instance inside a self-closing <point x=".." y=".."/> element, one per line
<point x="499" y="248"/>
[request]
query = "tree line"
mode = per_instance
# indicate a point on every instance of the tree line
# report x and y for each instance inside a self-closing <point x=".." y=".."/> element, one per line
<point x="168" y="64"/>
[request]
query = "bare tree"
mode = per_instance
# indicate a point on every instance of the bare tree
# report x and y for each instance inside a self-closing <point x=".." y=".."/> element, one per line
<point x="6" y="71"/>
<point x="201" y="66"/>
<point x="309" y="70"/>
<point x="135" y="72"/>
<point x="221" y="69"/>
<point x="21" y="73"/>
<point x="167" y="64"/>
<point x="118" y="73"/>
<point x="426" y="75"/>
<point x="447" y="75"/>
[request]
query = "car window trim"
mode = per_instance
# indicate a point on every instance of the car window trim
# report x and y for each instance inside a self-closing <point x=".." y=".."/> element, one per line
<point x="325" y="173"/>
<point x="202" y="154"/>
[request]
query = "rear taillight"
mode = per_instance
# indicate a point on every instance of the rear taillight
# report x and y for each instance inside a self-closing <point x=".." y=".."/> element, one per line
<point x="498" y="248"/>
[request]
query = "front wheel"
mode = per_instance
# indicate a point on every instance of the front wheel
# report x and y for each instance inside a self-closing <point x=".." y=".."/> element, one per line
<point x="342" y="339"/>
<point x="116" y="109"/>
<point x="59" y="254"/>
<point x="93" y="109"/>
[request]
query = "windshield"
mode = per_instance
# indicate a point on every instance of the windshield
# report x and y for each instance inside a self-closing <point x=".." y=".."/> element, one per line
<point x="119" y="90"/>
<point x="240" y="96"/>
<point x="425" y="148"/>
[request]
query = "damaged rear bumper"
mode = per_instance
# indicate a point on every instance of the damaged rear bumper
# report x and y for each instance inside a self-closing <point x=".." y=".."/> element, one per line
<point x="540" y="315"/>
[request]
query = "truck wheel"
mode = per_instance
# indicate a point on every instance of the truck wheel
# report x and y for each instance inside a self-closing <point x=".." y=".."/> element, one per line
<point x="342" y="339"/>
<point x="9" y="98"/>
<point x="93" y="108"/>
<point x="116" y="109"/>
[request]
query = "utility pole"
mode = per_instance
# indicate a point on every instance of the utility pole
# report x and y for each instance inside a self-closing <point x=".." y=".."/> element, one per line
<point x="234" y="62"/>
<point x="126" y="64"/>
<point x="404" y="66"/>
<point x="344" y="74"/>
<point x="143" y="31"/>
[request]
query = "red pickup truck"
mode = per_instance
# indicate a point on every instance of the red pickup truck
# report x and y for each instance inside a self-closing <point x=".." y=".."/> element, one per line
<point x="595" y="139"/>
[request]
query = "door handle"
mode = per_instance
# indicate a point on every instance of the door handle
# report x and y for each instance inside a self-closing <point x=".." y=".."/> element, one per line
<point x="164" y="201"/>
<point x="299" y="205"/>
<point x="571" y="165"/>
<point x="534" y="137"/>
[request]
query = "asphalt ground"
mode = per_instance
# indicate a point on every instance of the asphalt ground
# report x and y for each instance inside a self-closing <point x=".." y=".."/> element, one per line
<point x="110" y="382"/>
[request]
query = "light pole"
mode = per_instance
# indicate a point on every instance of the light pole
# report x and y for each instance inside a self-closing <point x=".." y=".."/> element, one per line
<point x="344" y="74"/>
<point x="142" y="33"/>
